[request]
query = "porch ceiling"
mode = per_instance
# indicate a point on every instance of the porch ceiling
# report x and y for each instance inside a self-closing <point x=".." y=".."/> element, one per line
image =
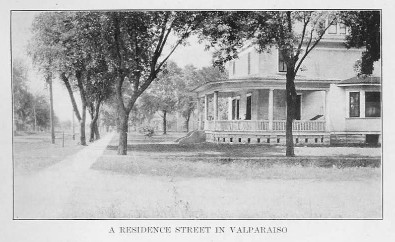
<point x="235" y="85"/>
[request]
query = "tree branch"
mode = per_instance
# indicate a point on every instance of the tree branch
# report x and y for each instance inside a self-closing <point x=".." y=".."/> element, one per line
<point x="305" y="23"/>
<point x="308" y="50"/>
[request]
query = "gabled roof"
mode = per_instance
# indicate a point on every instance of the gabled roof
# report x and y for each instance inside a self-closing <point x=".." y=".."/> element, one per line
<point x="367" y="80"/>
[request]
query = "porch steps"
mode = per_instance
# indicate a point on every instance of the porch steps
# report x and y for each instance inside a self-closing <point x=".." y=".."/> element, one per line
<point x="188" y="134"/>
<point x="317" y="117"/>
<point x="196" y="136"/>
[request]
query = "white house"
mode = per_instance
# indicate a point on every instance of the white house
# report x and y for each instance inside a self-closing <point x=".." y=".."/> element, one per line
<point x="333" y="105"/>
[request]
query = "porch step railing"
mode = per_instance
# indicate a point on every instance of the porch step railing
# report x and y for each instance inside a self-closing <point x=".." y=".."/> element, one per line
<point x="263" y="125"/>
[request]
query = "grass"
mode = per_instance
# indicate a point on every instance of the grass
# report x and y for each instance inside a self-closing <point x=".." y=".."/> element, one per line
<point x="235" y="169"/>
<point x="204" y="190"/>
<point x="161" y="179"/>
<point x="164" y="145"/>
<point x="159" y="156"/>
<point x="34" y="151"/>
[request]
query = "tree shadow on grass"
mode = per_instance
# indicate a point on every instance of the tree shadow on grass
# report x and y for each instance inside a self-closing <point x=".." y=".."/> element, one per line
<point x="205" y="148"/>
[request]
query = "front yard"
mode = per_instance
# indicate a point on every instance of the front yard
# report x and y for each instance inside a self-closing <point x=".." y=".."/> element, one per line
<point x="161" y="179"/>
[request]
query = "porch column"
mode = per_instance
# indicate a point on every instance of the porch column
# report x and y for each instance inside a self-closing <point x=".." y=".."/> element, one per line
<point x="199" y="118"/>
<point x="216" y="105"/>
<point x="243" y="105"/>
<point x="270" y="109"/>
<point x="327" y="102"/>
<point x="205" y="111"/>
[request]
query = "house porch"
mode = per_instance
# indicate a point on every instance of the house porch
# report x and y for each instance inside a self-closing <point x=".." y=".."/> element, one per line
<point x="258" y="116"/>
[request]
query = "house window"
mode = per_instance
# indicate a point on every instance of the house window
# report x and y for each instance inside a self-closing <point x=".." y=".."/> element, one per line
<point x="249" y="63"/>
<point x="282" y="66"/>
<point x="234" y="67"/>
<point x="354" y="104"/>
<point x="372" y="104"/>
<point x="298" y="107"/>
<point x="342" y="28"/>
<point x="333" y="28"/>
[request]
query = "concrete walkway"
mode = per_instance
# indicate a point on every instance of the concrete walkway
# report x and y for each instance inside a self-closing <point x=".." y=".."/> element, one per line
<point x="45" y="194"/>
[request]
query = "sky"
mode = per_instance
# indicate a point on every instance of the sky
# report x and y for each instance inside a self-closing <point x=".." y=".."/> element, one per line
<point x="193" y="53"/>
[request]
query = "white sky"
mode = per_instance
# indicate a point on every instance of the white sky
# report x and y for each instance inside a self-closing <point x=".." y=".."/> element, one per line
<point x="21" y="21"/>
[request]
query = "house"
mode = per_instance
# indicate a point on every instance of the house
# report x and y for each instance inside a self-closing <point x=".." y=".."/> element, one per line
<point x="333" y="105"/>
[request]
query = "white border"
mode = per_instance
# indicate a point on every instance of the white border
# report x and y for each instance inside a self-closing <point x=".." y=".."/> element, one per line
<point x="305" y="230"/>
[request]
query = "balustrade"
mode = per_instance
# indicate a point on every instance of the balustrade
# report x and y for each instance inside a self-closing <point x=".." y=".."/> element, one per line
<point x="263" y="125"/>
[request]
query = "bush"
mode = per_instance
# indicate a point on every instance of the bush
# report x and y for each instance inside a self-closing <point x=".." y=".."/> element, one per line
<point x="147" y="130"/>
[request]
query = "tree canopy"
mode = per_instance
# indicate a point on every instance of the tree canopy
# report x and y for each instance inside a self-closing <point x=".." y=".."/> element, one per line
<point x="31" y="111"/>
<point x="364" y="31"/>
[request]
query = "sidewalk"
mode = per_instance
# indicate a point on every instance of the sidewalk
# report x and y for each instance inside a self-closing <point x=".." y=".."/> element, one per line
<point x="44" y="194"/>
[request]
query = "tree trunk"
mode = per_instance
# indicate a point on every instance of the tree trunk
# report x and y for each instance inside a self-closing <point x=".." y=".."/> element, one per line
<point x="123" y="133"/>
<point x="71" y="94"/>
<point x="82" y="126"/>
<point x="92" y="124"/>
<point x="97" y="133"/>
<point x="291" y="98"/>
<point x="92" y="131"/>
<point x="164" y="122"/>
<point x="187" y="121"/>
<point x="187" y="125"/>
<point x="35" y="116"/>
<point x="51" y="110"/>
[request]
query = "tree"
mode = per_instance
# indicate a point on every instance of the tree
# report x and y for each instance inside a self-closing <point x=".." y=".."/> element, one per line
<point x="108" y="113"/>
<point x="41" y="109"/>
<point x="29" y="109"/>
<point x="98" y="89"/>
<point x="21" y="97"/>
<point x="135" y="44"/>
<point x="364" y="31"/>
<point x="163" y="95"/>
<point x="68" y="43"/>
<point x="144" y="109"/>
<point x="186" y="104"/>
<point x="294" y="33"/>
<point x="50" y="48"/>
<point x="192" y="77"/>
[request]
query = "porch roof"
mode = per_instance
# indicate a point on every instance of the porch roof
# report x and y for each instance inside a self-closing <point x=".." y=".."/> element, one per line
<point x="276" y="82"/>
<point x="369" y="80"/>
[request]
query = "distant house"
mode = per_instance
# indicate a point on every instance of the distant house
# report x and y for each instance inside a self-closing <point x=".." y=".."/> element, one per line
<point x="333" y="105"/>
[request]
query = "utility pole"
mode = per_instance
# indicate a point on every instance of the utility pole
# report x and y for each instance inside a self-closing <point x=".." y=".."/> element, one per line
<point x="49" y="81"/>
<point x="34" y="113"/>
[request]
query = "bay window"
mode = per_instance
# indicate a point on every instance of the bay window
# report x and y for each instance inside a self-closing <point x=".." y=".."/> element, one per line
<point x="364" y="104"/>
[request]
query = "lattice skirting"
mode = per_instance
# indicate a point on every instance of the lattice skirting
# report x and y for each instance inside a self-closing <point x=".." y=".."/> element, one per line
<point x="267" y="139"/>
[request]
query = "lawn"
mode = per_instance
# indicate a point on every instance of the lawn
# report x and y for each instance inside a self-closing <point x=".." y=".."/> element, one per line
<point x="161" y="179"/>
<point x="34" y="151"/>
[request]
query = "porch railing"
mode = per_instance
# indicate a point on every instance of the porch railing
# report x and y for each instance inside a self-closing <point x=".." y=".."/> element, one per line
<point x="263" y="125"/>
<point x="238" y="125"/>
<point x="300" y="125"/>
